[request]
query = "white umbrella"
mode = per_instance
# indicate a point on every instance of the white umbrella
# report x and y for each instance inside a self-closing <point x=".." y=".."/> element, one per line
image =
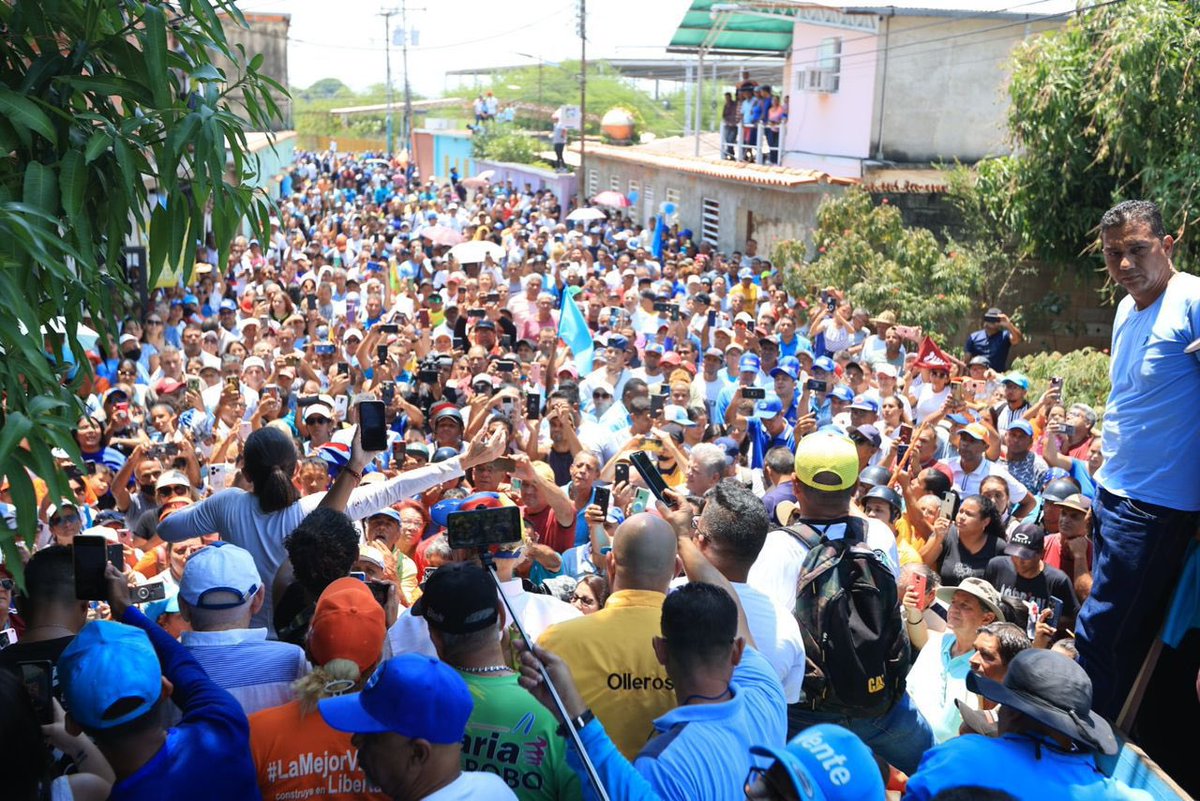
<point x="585" y="214"/>
<point x="476" y="251"/>
<point x="486" y="175"/>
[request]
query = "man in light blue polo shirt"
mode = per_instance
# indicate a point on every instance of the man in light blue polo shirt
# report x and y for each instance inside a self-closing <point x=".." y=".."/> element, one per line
<point x="1146" y="506"/>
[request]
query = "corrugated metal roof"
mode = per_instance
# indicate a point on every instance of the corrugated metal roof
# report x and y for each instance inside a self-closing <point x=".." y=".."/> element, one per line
<point x="758" y="174"/>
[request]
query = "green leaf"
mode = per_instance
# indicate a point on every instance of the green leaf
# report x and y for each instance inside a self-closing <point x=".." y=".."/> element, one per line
<point x="113" y="86"/>
<point x="97" y="144"/>
<point x="41" y="187"/>
<point x="72" y="180"/>
<point x="16" y="428"/>
<point x="24" y="113"/>
<point x="155" y="41"/>
<point x="207" y="72"/>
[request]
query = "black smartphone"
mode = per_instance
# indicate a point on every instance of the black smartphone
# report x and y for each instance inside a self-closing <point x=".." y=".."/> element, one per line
<point x="476" y="314"/>
<point x="621" y="473"/>
<point x="1066" y="430"/>
<point x="506" y="342"/>
<point x="389" y="328"/>
<point x="459" y="343"/>
<point x="506" y="366"/>
<point x="662" y="306"/>
<point x="380" y="590"/>
<point x="372" y="419"/>
<point x="306" y="400"/>
<point x="656" y="404"/>
<point x="483" y="527"/>
<point x="831" y="304"/>
<point x="649" y="473"/>
<point x="343" y="368"/>
<point x="311" y="300"/>
<point x="387" y="392"/>
<point x="815" y="385"/>
<point x="533" y="405"/>
<point x="90" y="555"/>
<point x="601" y="496"/>
<point x="492" y="297"/>
<point x="712" y="317"/>
<point x="674" y="311"/>
<point x="754" y="393"/>
<point x="428" y="376"/>
<point x="381" y="353"/>
<point x="37" y="676"/>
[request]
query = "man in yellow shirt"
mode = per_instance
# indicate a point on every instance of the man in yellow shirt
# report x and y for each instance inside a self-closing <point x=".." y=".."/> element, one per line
<point x="610" y="652"/>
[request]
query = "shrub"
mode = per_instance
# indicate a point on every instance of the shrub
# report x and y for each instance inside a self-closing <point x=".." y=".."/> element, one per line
<point x="1084" y="373"/>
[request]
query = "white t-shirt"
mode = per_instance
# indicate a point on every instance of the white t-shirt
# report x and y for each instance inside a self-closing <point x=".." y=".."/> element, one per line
<point x="929" y="401"/>
<point x="474" y="786"/>
<point x="777" y="569"/>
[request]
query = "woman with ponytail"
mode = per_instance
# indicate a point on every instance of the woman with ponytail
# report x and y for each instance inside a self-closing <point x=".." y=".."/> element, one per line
<point x="259" y="520"/>
<point x="345" y="643"/>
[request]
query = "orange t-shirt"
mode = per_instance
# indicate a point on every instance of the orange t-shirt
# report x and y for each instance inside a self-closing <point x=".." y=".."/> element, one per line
<point x="299" y="756"/>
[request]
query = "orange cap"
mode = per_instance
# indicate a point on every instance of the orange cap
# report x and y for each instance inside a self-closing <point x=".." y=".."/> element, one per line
<point x="347" y="624"/>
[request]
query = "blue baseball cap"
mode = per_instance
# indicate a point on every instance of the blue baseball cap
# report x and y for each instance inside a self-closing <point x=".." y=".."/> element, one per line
<point x="824" y="363"/>
<point x="619" y="342"/>
<point x="220" y="576"/>
<point x="105" y="664"/>
<point x="677" y="415"/>
<point x="654" y="347"/>
<point x="730" y="446"/>
<point x="190" y="300"/>
<point x="1016" y="378"/>
<point x="865" y="403"/>
<point x="826" y="763"/>
<point x="789" y="366"/>
<point x="1022" y="426"/>
<point x="411" y="695"/>
<point x="842" y="393"/>
<point x="749" y="363"/>
<point x="768" y="408"/>
<point x="960" y="419"/>
<point x="441" y="511"/>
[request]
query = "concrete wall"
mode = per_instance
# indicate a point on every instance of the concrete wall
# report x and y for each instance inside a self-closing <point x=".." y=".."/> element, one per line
<point x="266" y="34"/>
<point x="942" y="93"/>
<point x="563" y="184"/>
<point x="767" y="213"/>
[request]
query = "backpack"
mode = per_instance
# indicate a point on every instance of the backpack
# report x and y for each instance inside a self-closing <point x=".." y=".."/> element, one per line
<point x="848" y="608"/>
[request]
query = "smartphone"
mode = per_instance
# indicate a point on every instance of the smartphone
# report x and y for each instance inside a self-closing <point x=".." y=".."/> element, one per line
<point x="656" y="404"/>
<point x="372" y="420"/>
<point x="194" y="384"/>
<point x="663" y="306"/>
<point x="307" y="400"/>
<point x="601" y="496"/>
<point x="324" y="349"/>
<point x="1056" y="616"/>
<point x="507" y="343"/>
<point x="90" y="555"/>
<point x="459" y="343"/>
<point x="621" y="473"/>
<point x="831" y="304"/>
<point x="233" y="384"/>
<point x="311" y="301"/>
<point x="381" y="590"/>
<point x="293" y="360"/>
<point x="388" y="392"/>
<point x="423" y="317"/>
<point x="476" y="314"/>
<point x="272" y="390"/>
<point x="169" y="449"/>
<point x="815" y="385"/>
<point x="754" y="393"/>
<point x="481" y="528"/>
<point x="1066" y="430"/>
<point x="712" y="317"/>
<point x="351" y="313"/>
<point x="389" y="328"/>
<point x="1056" y="382"/>
<point x="37" y="676"/>
<point x="956" y="391"/>
<point x="399" y="452"/>
<point x="906" y="332"/>
<point x="641" y="501"/>
<point x="533" y="405"/>
<point x="358" y="574"/>
<point x="506" y="366"/>
<point x="381" y="353"/>
<point x="919" y="585"/>
<point x="906" y="432"/>
<point x="949" y="501"/>
<point x="649" y="473"/>
<point x="341" y="405"/>
<point x="492" y="297"/>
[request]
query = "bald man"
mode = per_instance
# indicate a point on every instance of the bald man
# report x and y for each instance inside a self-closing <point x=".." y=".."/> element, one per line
<point x="611" y="652"/>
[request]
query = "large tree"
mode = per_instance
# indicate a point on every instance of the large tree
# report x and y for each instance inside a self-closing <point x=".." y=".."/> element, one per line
<point x="113" y="119"/>
<point x="1104" y="109"/>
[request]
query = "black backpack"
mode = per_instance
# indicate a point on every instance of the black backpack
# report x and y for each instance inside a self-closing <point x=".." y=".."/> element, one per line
<point x="849" y="613"/>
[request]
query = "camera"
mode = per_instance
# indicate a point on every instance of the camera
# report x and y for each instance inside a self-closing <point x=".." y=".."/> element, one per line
<point x="146" y="593"/>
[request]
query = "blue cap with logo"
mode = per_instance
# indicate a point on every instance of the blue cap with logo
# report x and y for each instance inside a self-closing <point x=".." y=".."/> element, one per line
<point x="654" y="347"/>
<point x="768" y="408"/>
<point x="619" y="342"/>
<point x="826" y="763"/>
<point x="1017" y="379"/>
<point x="411" y="695"/>
<point x="865" y="403"/>
<point x="789" y="366"/>
<point x="105" y="664"/>
<point x="824" y="363"/>
<point x="1022" y="426"/>
<point x="749" y="363"/>
<point x="843" y="393"/>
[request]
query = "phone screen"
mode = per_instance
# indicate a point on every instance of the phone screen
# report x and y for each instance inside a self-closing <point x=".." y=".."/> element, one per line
<point x="1056" y="616"/>
<point x="601" y="497"/>
<point x="656" y="404"/>
<point x="906" y="432"/>
<point x="90" y="556"/>
<point x="649" y="473"/>
<point x="36" y="677"/>
<point x="371" y="416"/>
<point x="483" y="527"/>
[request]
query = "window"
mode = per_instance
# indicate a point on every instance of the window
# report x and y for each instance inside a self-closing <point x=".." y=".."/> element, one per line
<point x="614" y="183"/>
<point x="673" y="196"/>
<point x="593" y="182"/>
<point x="635" y="195"/>
<point x="829" y="65"/>
<point x="710" y="221"/>
<point x="648" y="202"/>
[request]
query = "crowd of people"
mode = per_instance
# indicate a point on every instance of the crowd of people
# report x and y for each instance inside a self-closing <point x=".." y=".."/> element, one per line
<point x="874" y="564"/>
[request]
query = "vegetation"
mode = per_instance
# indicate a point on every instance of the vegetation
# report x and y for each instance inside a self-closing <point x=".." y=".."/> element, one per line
<point x="1105" y="109"/>
<point x="1084" y="373"/>
<point x="99" y="102"/>
<point x="865" y="249"/>
<point x="498" y="142"/>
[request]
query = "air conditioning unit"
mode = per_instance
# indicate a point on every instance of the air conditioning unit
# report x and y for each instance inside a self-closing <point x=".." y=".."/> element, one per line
<point x="818" y="80"/>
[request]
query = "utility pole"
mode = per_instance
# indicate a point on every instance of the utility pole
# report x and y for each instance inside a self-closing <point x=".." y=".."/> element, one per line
<point x="407" y="89"/>
<point x="580" y="177"/>
<point x="387" y="15"/>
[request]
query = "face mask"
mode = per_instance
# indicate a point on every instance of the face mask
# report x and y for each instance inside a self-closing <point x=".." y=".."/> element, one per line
<point x="602" y="406"/>
<point x="135" y="354"/>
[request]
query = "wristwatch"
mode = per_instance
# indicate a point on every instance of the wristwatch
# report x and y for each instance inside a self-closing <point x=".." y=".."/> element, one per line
<point x="577" y="723"/>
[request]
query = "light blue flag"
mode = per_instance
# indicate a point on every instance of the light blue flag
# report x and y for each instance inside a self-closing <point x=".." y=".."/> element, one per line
<point x="573" y="330"/>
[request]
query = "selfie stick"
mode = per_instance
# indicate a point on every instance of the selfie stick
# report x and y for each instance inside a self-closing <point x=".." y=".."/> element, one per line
<point x="490" y="565"/>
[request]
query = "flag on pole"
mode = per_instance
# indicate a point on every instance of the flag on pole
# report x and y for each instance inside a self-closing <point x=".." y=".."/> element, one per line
<point x="660" y="233"/>
<point x="930" y="356"/>
<point x="573" y="330"/>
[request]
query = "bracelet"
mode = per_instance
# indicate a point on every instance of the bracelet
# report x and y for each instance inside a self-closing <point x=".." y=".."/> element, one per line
<point x="352" y="472"/>
<point x="576" y="723"/>
<point x="913" y="622"/>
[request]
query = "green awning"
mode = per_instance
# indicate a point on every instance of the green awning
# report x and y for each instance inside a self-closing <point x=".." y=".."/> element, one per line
<point x="737" y="32"/>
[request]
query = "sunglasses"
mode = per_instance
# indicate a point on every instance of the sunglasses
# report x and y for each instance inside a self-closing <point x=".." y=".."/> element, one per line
<point x="583" y="601"/>
<point x="172" y="491"/>
<point x="319" y="421"/>
<point x="62" y="521"/>
<point x="154" y="322"/>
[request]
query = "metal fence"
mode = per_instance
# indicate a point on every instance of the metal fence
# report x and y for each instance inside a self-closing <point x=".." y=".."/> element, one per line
<point x="759" y="143"/>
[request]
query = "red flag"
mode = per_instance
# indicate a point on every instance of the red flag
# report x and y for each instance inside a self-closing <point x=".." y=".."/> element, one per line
<point x="931" y="357"/>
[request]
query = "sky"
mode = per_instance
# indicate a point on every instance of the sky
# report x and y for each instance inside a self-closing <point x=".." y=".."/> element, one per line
<point x="345" y="39"/>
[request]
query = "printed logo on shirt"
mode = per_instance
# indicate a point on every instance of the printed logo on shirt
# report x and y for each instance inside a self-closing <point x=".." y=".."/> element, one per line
<point x="340" y="772"/>
<point x="628" y="681"/>
<point x="512" y="755"/>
